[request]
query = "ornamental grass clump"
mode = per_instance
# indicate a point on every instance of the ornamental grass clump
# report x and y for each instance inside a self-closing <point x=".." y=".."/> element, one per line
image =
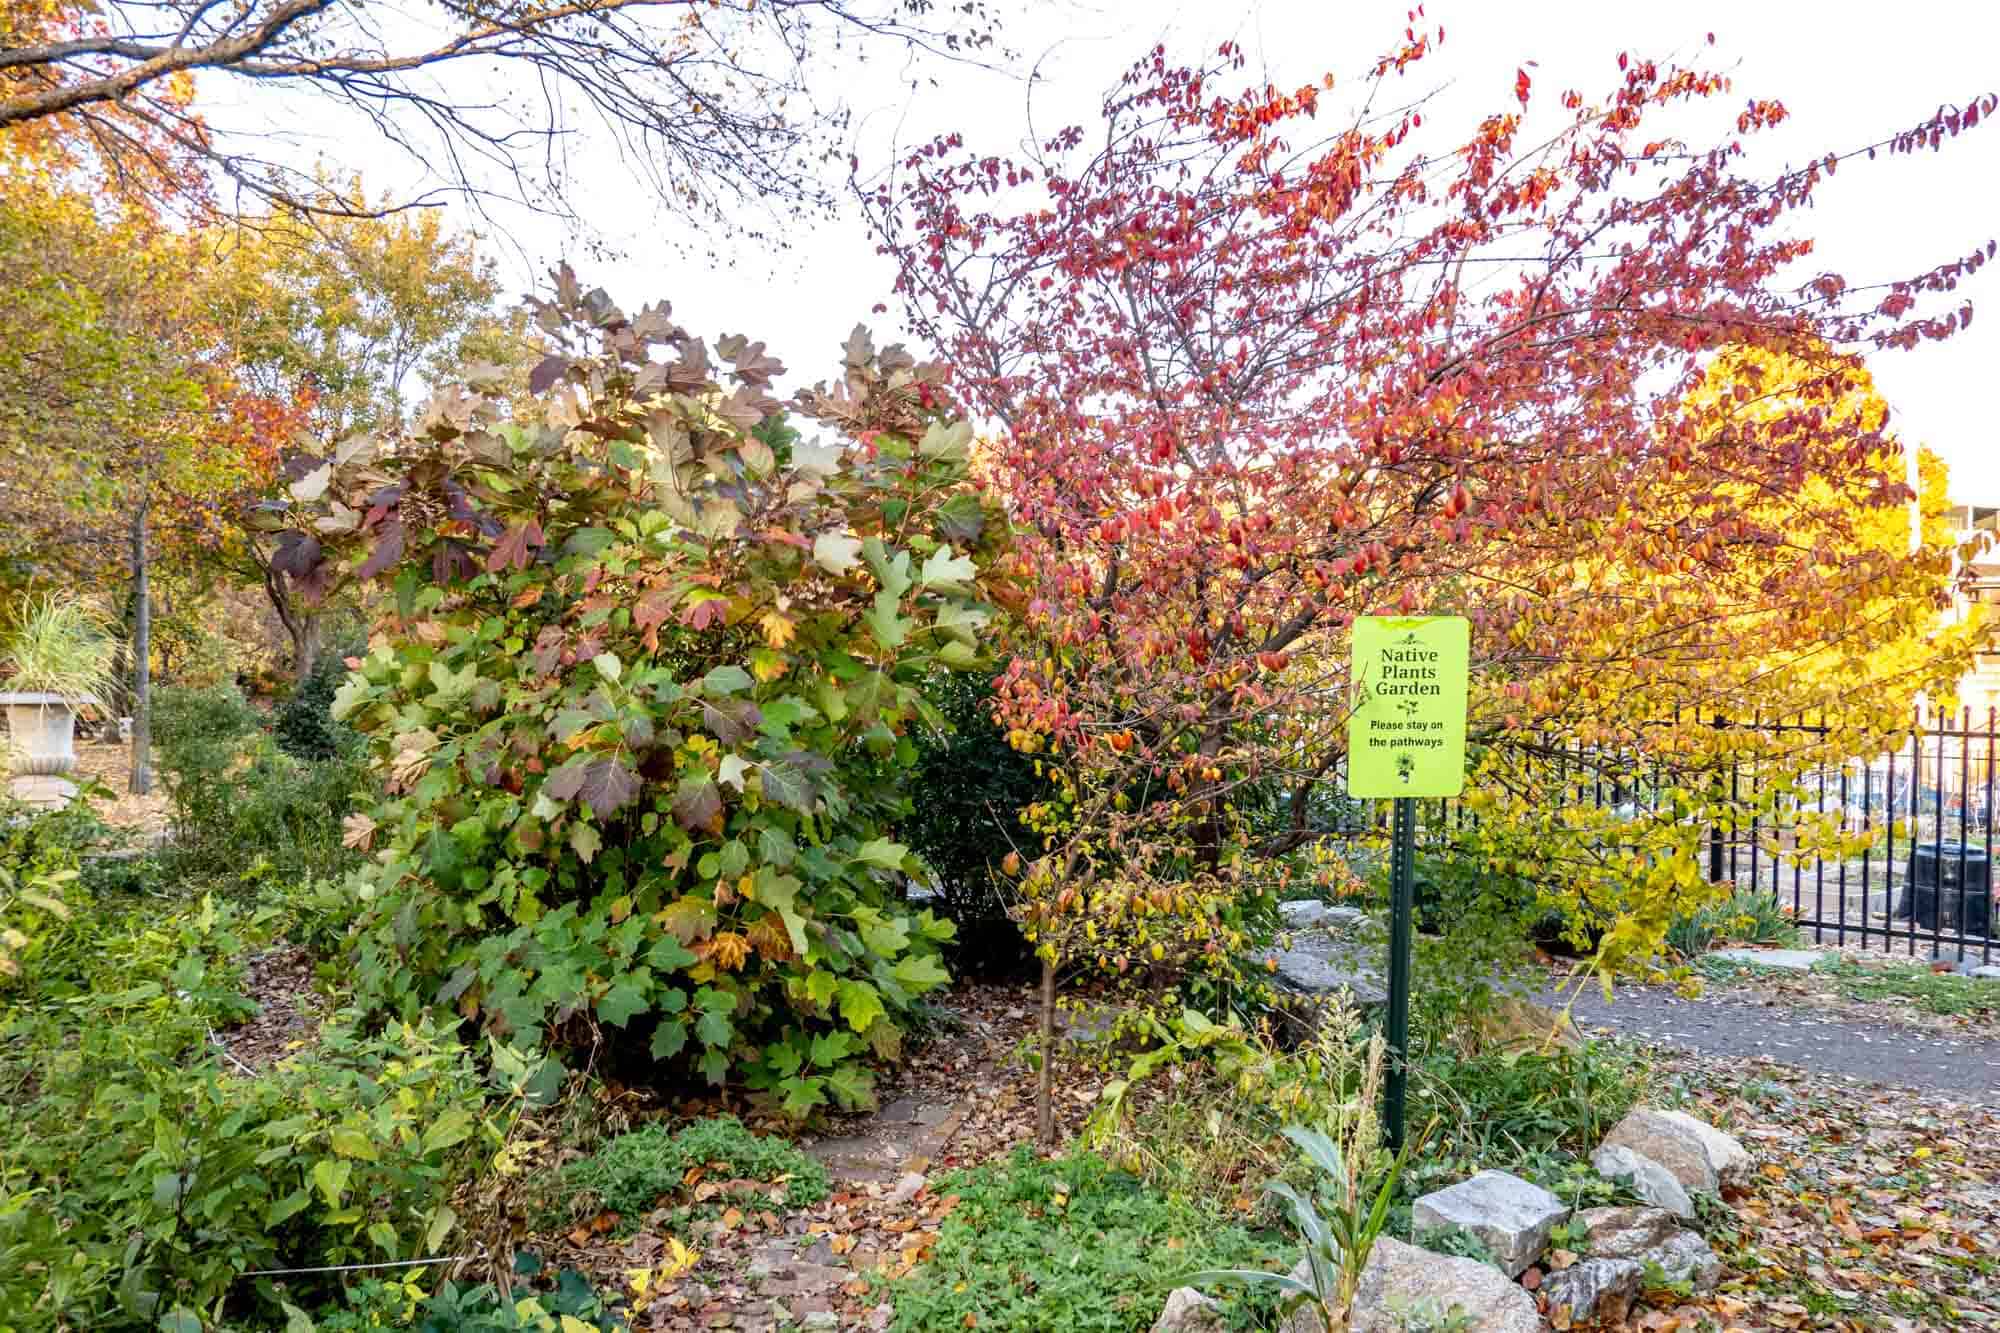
<point x="61" y="646"/>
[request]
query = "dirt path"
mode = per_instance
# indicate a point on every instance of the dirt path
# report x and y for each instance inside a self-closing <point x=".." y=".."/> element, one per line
<point x="964" y="1096"/>
<point x="1716" y="1024"/>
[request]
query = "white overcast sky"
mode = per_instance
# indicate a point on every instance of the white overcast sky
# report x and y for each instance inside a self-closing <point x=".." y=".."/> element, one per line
<point x="1850" y="72"/>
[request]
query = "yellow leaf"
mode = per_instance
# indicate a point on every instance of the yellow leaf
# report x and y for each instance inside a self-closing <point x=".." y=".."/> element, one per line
<point x="679" y="1259"/>
<point x="778" y="630"/>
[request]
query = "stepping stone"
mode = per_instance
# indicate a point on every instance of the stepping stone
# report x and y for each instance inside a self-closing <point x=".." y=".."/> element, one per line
<point x="1512" y="1216"/>
<point x="902" y="1138"/>
<point x="1303" y="913"/>
<point x="859" y="1158"/>
<point x="1790" y="960"/>
<point x="1320" y="964"/>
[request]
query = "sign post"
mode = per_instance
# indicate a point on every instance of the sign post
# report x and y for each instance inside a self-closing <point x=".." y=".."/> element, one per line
<point x="1405" y="740"/>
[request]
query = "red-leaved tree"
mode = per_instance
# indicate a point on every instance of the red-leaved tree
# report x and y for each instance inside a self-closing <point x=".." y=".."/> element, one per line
<point x="1258" y="371"/>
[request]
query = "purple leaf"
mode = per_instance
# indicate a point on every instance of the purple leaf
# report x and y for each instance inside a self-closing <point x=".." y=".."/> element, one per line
<point x="546" y="372"/>
<point x="388" y="549"/>
<point x="699" y="805"/>
<point x="297" y="554"/>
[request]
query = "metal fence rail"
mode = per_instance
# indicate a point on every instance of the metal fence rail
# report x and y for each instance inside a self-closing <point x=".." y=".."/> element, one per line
<point x="1924" y="813"/>
<point x="1919" y="819"/>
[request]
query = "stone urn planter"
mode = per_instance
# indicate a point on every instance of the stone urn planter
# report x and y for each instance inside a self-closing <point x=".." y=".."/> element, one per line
<point x="43" y="753"/>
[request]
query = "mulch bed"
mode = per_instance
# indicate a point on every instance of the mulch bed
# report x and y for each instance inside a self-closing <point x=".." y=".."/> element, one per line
<point x="289" y="1011"/>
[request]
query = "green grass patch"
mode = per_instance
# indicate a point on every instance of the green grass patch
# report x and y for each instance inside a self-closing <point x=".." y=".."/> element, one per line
<point x="1914" y="983"/>
<point x="1074" y="1245"/>
<point x="633" y="1172"/>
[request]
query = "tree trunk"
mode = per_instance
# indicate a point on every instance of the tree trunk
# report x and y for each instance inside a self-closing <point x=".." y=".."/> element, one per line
<point x="303" y="626"/>
<point x="1045" y="1109"/>
<point x="308" y="631"/>
<point x="141" y="781"/>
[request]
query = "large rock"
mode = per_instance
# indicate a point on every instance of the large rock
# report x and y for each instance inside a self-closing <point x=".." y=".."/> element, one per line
<point x="1512" y="1216"/>
<point x="1403" y="1285"/>
<point x="1593" y="1291"/>
<point x="1647" y="1178"/>
<point x="1304" y="913"/>
<point x="1701" y="1157"/>
<point x="1686" y="1257"/>
<point x="1625" y="1230"/>
<point x="1318" y="961"/>
<point x="1650" y="1235"/>
<point x="1188" y="1311"/>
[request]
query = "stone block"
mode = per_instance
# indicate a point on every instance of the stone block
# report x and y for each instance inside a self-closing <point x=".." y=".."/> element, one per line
<point x="1686" y="1257"/>
<point x="1188" y="1311"/>
<point x="1625" y="1230"/>
<point x="1404" y="1284"/>
<point x="1701" y="1157"/>
<point x="1650" y="1235"/>
<point x="1648" y="1179"/>
<point x="1512" y="1216"/>
<point x="1593" y="1291"/>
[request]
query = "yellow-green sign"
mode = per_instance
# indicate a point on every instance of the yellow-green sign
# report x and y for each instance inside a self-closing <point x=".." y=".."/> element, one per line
<point x="1406" y="733"/>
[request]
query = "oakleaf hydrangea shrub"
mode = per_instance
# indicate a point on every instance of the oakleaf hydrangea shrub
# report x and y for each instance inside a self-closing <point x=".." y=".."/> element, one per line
<point x="644" y="698"/>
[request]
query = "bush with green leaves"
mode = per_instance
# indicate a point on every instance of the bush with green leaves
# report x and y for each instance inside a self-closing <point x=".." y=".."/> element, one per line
<point x="974" y="786"/>
<point x="303" y="725"/>
<point x="1069" y="1245"/>
<point x="537" y="1303"/>
<point x="644" y="695"/>
<point x="633" y="1172"/>
<point x="1748" y="916"/>
<point x="1536" y="1113"/>
<point x="40" y="887"/>
<point x="243" y="808"/>
<point x="145" y="1173"/>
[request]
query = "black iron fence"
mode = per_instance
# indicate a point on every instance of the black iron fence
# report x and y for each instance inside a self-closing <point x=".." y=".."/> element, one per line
<point x="1911" y="870"/>
<point x="1923" y="815"/>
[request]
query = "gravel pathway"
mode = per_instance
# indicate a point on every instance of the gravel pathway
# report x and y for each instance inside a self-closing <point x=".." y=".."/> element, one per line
<point x="1870" y="1052"/>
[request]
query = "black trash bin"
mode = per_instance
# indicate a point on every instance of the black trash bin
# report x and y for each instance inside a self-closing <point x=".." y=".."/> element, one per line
<point x="1950" y="888"/>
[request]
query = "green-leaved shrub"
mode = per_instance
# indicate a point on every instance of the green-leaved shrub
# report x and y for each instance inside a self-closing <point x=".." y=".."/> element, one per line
<point x="647" y="695"/>
<point x="242" y="807"/>
<point x="974" y="786"/>
<point x="303" y="725"/>
<point x="145" y="1172"/>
